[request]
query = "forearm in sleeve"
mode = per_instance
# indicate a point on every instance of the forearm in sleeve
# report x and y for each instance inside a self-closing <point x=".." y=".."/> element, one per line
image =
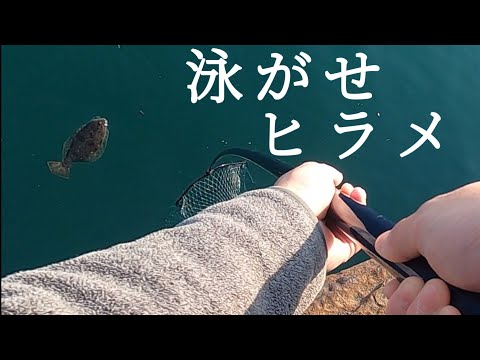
<point x="260" y="253"/>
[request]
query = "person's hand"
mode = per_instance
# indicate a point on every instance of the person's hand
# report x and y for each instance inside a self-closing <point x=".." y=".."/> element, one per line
<point x="316" y="184"/>
<point x="414" y="297"/>
<point x="446" y="231"/>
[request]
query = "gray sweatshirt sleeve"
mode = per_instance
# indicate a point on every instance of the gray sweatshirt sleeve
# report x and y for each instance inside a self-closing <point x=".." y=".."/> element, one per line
<point x="260" y="253"/>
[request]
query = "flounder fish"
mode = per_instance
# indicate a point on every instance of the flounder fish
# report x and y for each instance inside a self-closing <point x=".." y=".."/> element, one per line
<point x="86" y="145"/>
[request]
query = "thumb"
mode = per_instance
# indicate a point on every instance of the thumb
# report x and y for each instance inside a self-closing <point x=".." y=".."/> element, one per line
<point x="399" y="244"/>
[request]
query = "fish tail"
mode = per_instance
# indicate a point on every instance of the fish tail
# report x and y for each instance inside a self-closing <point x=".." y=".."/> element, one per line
<point x="59" y="169"/>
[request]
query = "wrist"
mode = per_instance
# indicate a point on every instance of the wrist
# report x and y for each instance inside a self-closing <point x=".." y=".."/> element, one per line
<point x="297" y="197"/>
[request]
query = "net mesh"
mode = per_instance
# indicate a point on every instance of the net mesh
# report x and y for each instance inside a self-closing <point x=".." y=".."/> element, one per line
<point x="222" y="183"/>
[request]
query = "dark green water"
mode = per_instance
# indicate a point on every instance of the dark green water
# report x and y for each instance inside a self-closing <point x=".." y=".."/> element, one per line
<point x="49" y="91"/>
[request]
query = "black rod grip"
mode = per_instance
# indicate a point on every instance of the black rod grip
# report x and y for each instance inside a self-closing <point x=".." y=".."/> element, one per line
<point x="467" y="302"/>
